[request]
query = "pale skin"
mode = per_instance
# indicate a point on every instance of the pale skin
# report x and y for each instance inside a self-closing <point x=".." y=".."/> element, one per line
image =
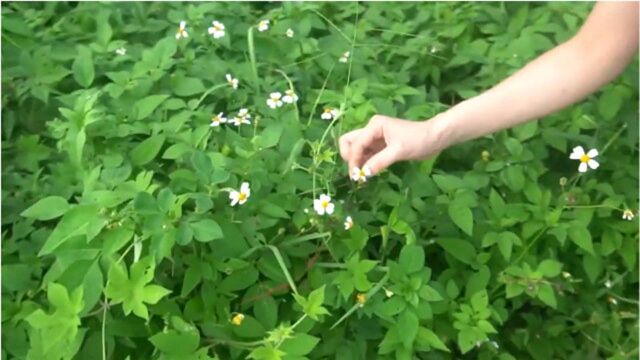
<point x="562" y="76"/>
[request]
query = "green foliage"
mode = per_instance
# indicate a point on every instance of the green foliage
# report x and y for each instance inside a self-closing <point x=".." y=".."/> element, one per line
<point x="119" y="239"/>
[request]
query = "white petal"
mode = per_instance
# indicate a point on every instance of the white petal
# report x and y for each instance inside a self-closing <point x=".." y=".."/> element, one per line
<point x="215" y="123"/>
<point x="228" y="76"/>
<point x="577" y="152"/>
<point x="234" y="196"/>
<point x="278" y="103"/>
<point x="330" y="208"/>
<point x="325" y="197"/>
<point x="288" y="99"/>
<point x="245" y="188"/>
<point x="185" y="34"/>
<point x="367" y="170"/>
<point x="177" y="35"/>
<point x="271" y="103"/>
<point x="593" y="164"/>
<point x="183" y="24"/>
<point x="592" y="153"/>
<point x="583" y="167"/>
<point x="211" y="30"/>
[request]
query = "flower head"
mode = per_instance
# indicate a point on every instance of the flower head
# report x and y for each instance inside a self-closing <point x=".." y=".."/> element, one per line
<point x="233" y="82"/>
<point x="360" y="299"/>
<point x="388" y="292"/>
<point x="218" y="119"/>
<point x="289" y="96"/>
<point x="217" y="29"/>
<point x="608" y="284"/>
<point x="289" y="33"/>
<point x="240" y="197"/>
<point x="182" y="30"/>
<point x="323" y="205"/>
<point x="329" y="114"/>
<point x="121" y="51"/>
<point x="345" y="57"/>
<point x="628" y="215"/>
<point x="360" y="175"/>
<point x="586" y="159"/>
<point x="242" y="117"/>
<point x="486" y="156"/>
<point x="348" y="223"/>
<point x="612" y="300"/>
<point x="274" y="100"/>
<point x="237" y="319"/>
<point x="263" y="25"/>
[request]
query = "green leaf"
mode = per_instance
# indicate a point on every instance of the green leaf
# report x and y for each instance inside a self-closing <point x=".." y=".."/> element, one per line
<point x="549" y="268"/>
<point x="514" y="177"/>
<point x="428" y="337"/>
<point x="466" y="339"/>
<point x="610" y="103"/>
<point x="430" y="294"/>
<point x="47" y="208"/>
<point x="408" y="326"/>
<point x="186" y="86"/>
<point x="144" y="107"/>
<point x="74" y="223"/>
<point x="175" y="343"/>
<point x="581" y="237"/>
<point x="459" y="249"/>
<point x="147" y="150"/>
<point x="266" y="352"/>
<point x="312" y="306"/>
<point x="546" y="295"/>
<point x="461" y="215"/>
<point x="206" y="230"/>
<point x="301" y="344"/>
<point x="412" y="258"/>
<point x="82" y="67"/>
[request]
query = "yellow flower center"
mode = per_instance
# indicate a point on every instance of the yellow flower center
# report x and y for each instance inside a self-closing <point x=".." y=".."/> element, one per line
<point x="217" y="27"/>
<point x="585" y="158"/>
<point x="215" y="119"/>
<point x="327" y="110"/>
<point x="362" y="173"/>
<point x="242" y="196"/>
<point x="324" y="203"/>
<point x="237" y="319"/>
<point x="360" y="298"/>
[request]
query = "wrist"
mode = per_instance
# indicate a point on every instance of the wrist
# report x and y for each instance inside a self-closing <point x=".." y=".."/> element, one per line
<point x="444" y="130"/>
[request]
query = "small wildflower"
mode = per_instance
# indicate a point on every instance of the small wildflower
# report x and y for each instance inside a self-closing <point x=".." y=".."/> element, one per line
<point x="348" y="223"/>
<point x="345" y="57"/>
<point x="121" y="51"/>
<point x="233" y="82"/>
<point x="563" y="181"/>
<point x="586" y="159"/>
<point x="608" y="284"/>
<point x="237" y="319"/>
<point x="329" y="114"/>
<point x="240" y="197"/>
<point x="182" y="31"/>
<point x="612" y="300"/>
<point x="217" y="29"/>
<point x="290" y="96"/>
<point x="486" y="156"/>
<point x="360" y="175"/>
<point x="494" y="344"/>
<point x="628" y="215"/>
<point x="360" y="299"/>
<point x="388" y="292"/>
<point x="218" y="119"/>
<point x="263" y="25"/>
<point x="434" y="49"/>
<point x="323" y="205"/>
<point x="243" y="117"/>
<point x="306" y="211"/>
<point x="289" y="33"/>
<point x="566" y="275"/>
<point x="274" y="100"/>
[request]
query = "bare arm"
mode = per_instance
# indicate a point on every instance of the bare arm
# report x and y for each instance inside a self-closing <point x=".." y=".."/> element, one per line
<point x="562" y="76"/>
<point x="602" y="48"/>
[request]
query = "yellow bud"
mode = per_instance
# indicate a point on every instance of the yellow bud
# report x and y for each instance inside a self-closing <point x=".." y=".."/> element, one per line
<point x="360" y="299"/>
<point x="237" y="319"/>
<point x="486" y="155"/>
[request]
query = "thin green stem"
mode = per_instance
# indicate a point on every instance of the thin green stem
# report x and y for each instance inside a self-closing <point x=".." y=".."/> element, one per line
<point x="331" y="23"/>
<point x="252" y="54"/>
<point x="368" y="295"/>
<point x="613" y="138"/>
<point x="104" y="327"/>
<point x="211" y="89"/>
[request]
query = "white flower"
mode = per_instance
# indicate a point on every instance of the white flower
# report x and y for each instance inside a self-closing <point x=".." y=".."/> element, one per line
<point x="345" y="57"/>
<point x="121" y="51"/>
<point x="274" y="100"/>
<point x="388" y="292"/>
<point x="218" y="119"/>
<point x="566" y="275"/>
<point x="323" y="205"/>
<point x="182" y="31"/>
<point x="608" y="284"/>
<point x="358" y="174"/>
<point x="348" y="223"/>
<point x="263" y="25"/>
<point x="242" y="118"/>
<point x="240" y="197"/>
<point x="233" y="82"/>
<point x="329" y="114"/>
<point x="586" y="160"/>
<point x="217" y="30"/>
<point x="628" y="215"/>
<point x="612" y="300"/>
<point x="289" y="97"/>
<point x="289" y="32"/>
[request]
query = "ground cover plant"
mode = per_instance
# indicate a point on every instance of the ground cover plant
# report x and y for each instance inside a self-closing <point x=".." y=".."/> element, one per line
<point x="172" y="189"/>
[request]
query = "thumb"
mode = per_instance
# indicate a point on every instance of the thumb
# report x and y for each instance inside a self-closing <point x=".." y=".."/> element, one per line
<point x="383" y="159"/>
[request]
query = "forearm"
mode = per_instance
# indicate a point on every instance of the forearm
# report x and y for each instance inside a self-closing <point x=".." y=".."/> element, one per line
<point x="555" y="80"/>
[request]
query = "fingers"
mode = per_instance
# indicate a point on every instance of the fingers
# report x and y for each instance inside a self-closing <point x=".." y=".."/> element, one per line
<point x="345" y="143"/>
<point x="383" y="159"/>
<point x="365" y="139"/>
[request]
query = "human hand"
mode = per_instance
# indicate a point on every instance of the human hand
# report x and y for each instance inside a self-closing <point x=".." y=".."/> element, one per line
<point x="386" y="140"/>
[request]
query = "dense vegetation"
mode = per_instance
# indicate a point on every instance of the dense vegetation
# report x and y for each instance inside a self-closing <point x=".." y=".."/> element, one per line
<point x="127" y="232"/>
